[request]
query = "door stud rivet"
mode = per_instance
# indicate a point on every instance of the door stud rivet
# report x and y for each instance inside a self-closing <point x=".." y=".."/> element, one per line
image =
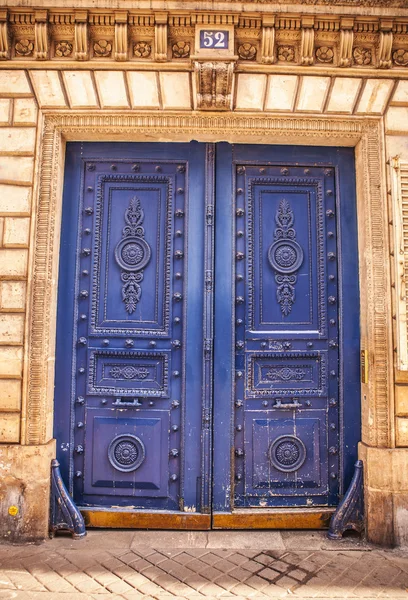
<point x="332" y="300"/>
<point x="331" y="256"/>
<point x="333" y="476"/>
<point x="78" y="473"/>
<point x="330" y="213"/>
<point x="176" y="343"/>
<point x="239" y="452"/>
<point x="105" y="342"/>
<point x="265" y="403"/>
<point x="173" y="477"/>
<point x="240" y="212"/>
<point x="240" y="256"/>
<point x="179" y="213"/>
<point x="175" y="404"/>
<point x="177" y="320"/>
<point x="238" y="476"/>
<point x="84" y="294"/>
<point x="87" y="231"/>
<point x="239" y="403"/>
<point x="81" y="400"/>
<point x="239" y="321"/>
<point x="179" y="233"/>
<point x="104" y="401"/>
<point x="86" y="251"/>
<point x="331" y="278"/>
<point x="81" y="370"/>
<point x="80" y="425"/>
<point x="129" y="343"/>
<point x="176" y="373"/>
<point x="174" y="428"/>
<point x="88" y="210"/>
<point x="240" y="233"/>
<point x="333" y="402"/>
<point x="240" y="374"/>
<point x="152" y="344"/>
<point x="79" y="449"/>
<point x="82" y="341"/>
<point x="85" y="272"/>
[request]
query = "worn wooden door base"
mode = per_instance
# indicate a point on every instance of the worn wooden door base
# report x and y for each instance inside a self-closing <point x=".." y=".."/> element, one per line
<point x="133" y="519"/>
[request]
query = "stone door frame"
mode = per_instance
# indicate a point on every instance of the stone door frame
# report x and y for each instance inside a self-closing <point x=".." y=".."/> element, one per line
<point x="363" y="133"/>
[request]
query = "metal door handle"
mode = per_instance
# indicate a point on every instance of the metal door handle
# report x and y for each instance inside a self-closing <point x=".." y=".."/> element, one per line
<point x="280" y="404"/>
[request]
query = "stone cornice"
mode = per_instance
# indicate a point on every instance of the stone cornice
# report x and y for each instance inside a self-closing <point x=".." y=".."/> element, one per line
<point x="283" y="38"/>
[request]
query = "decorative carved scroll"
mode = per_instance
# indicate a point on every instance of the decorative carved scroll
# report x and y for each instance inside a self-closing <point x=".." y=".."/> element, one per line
<point x="161" y="36"/>
<point x="81" y="36"/>
<point x="350" y="512"/>
<point x="384" y="51"/>
<point x="213" y="83"/>
<point x="268" y="40"/>
<point x="121" y="36"/>
<point x="4" y="36"/>
<point x="307" y="42"/>
<point x="285" y="256"/>
<point x="41" y="34"/>
<point x="132" y="254"/>
<point x="64" y="512"/>
<point x="346" y="43"/>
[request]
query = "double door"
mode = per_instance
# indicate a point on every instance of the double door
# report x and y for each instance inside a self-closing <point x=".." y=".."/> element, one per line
<point x="207" y="345"/>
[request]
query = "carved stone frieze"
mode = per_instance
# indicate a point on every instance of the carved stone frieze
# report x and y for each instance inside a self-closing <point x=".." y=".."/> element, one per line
<point x="213" y="84"/>
<point x="259" y="36"/>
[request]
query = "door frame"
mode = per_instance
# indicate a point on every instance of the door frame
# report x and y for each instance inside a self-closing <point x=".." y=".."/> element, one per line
<point x="363" y="133"/>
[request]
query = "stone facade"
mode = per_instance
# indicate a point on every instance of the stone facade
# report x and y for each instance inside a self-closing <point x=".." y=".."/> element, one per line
<point x="325" y="73"/>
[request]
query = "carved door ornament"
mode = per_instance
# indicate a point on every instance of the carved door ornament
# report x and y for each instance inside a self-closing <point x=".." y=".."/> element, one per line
<point x="132" y="254"/>
<point x="285" y="256"/>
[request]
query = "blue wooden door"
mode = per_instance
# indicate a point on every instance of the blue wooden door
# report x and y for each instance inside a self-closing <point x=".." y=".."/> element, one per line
<point x="286" y="322"/>
<point x="147" y="416"/>
<point x="129" y="373"/>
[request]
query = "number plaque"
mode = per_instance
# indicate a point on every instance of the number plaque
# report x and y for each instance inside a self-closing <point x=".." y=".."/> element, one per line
<point x="214" y="38"/>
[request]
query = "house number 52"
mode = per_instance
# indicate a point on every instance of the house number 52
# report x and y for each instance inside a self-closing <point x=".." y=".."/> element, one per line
<point x="213" y="39"/>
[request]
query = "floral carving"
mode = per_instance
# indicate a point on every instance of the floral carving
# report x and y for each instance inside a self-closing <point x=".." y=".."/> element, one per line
<point x="362" y="56"/>
<point x="132" y="254"/>
<point x="129" y="372"/>
<point x="285" y="256"/>
<point x="247" y="51"/>
<point x="63" y="49"/>
<point x="102" y="48"/>
<point x="142" y="49"/>
<point x="400" y="57"/>
<point x="181" y="50"/>
<point x="325" y="54"/>
<point x="285" y="374"/>
<point x="24" y="47"/>
<point x="286" y="53"/>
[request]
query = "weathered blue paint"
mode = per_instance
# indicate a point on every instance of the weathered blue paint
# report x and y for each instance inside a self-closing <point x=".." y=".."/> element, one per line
<point x="286" y="355"/>
<point x="135" y="371"/>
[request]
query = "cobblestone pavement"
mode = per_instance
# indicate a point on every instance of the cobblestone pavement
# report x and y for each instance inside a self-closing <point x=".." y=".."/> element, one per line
<point x="111" y="565"/>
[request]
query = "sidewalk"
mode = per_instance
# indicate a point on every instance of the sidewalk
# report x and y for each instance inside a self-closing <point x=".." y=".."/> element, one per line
<point x="130" y="565"/>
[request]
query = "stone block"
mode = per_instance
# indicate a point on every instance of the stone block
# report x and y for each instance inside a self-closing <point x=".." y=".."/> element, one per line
<point x="379" y="517"/>
<point x="14" y="199"/>
<point x="281" y="92"/>
<point x="175" y="90"/>
<point x="16" y="169"/>
<point x="11" y="362"/>
<point x="251" y="90"/>
<point x="9" y="428"/>
<point x="13" y="263"/>
<point x="25" y="111"/>
<point x="396" y="120"/>
<point x="401" y="400"/>
<point x="16" y="232"/>
<point x="400" y="510"/>
<point x="25" y="483"/>
<point x="375" y="96"/>
<point x="401" y="431"/>
<point x="343" y="95"/>
<point x="400" y="96"/>
<point x="112" y="89"/>
<point x="11" y="329"/>
<point x="378" y="473"/>
<point x="48" y="89"/>
<point x="14" y="83"/>
<point x="13" y="295"/>
<point x="143" y="89"/>
<point x="80" y="89"/>
<point x="10" y="395"/>
<point x="5" y="109"/>
<point x="17" y="140"/>
<point x="312" y="94"/>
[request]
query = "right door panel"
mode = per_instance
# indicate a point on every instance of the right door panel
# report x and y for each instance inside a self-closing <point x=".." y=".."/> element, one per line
<point x="288" y="324"/>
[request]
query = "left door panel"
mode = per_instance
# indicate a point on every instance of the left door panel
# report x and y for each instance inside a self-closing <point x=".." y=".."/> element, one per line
<point x="126" y="400"/>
